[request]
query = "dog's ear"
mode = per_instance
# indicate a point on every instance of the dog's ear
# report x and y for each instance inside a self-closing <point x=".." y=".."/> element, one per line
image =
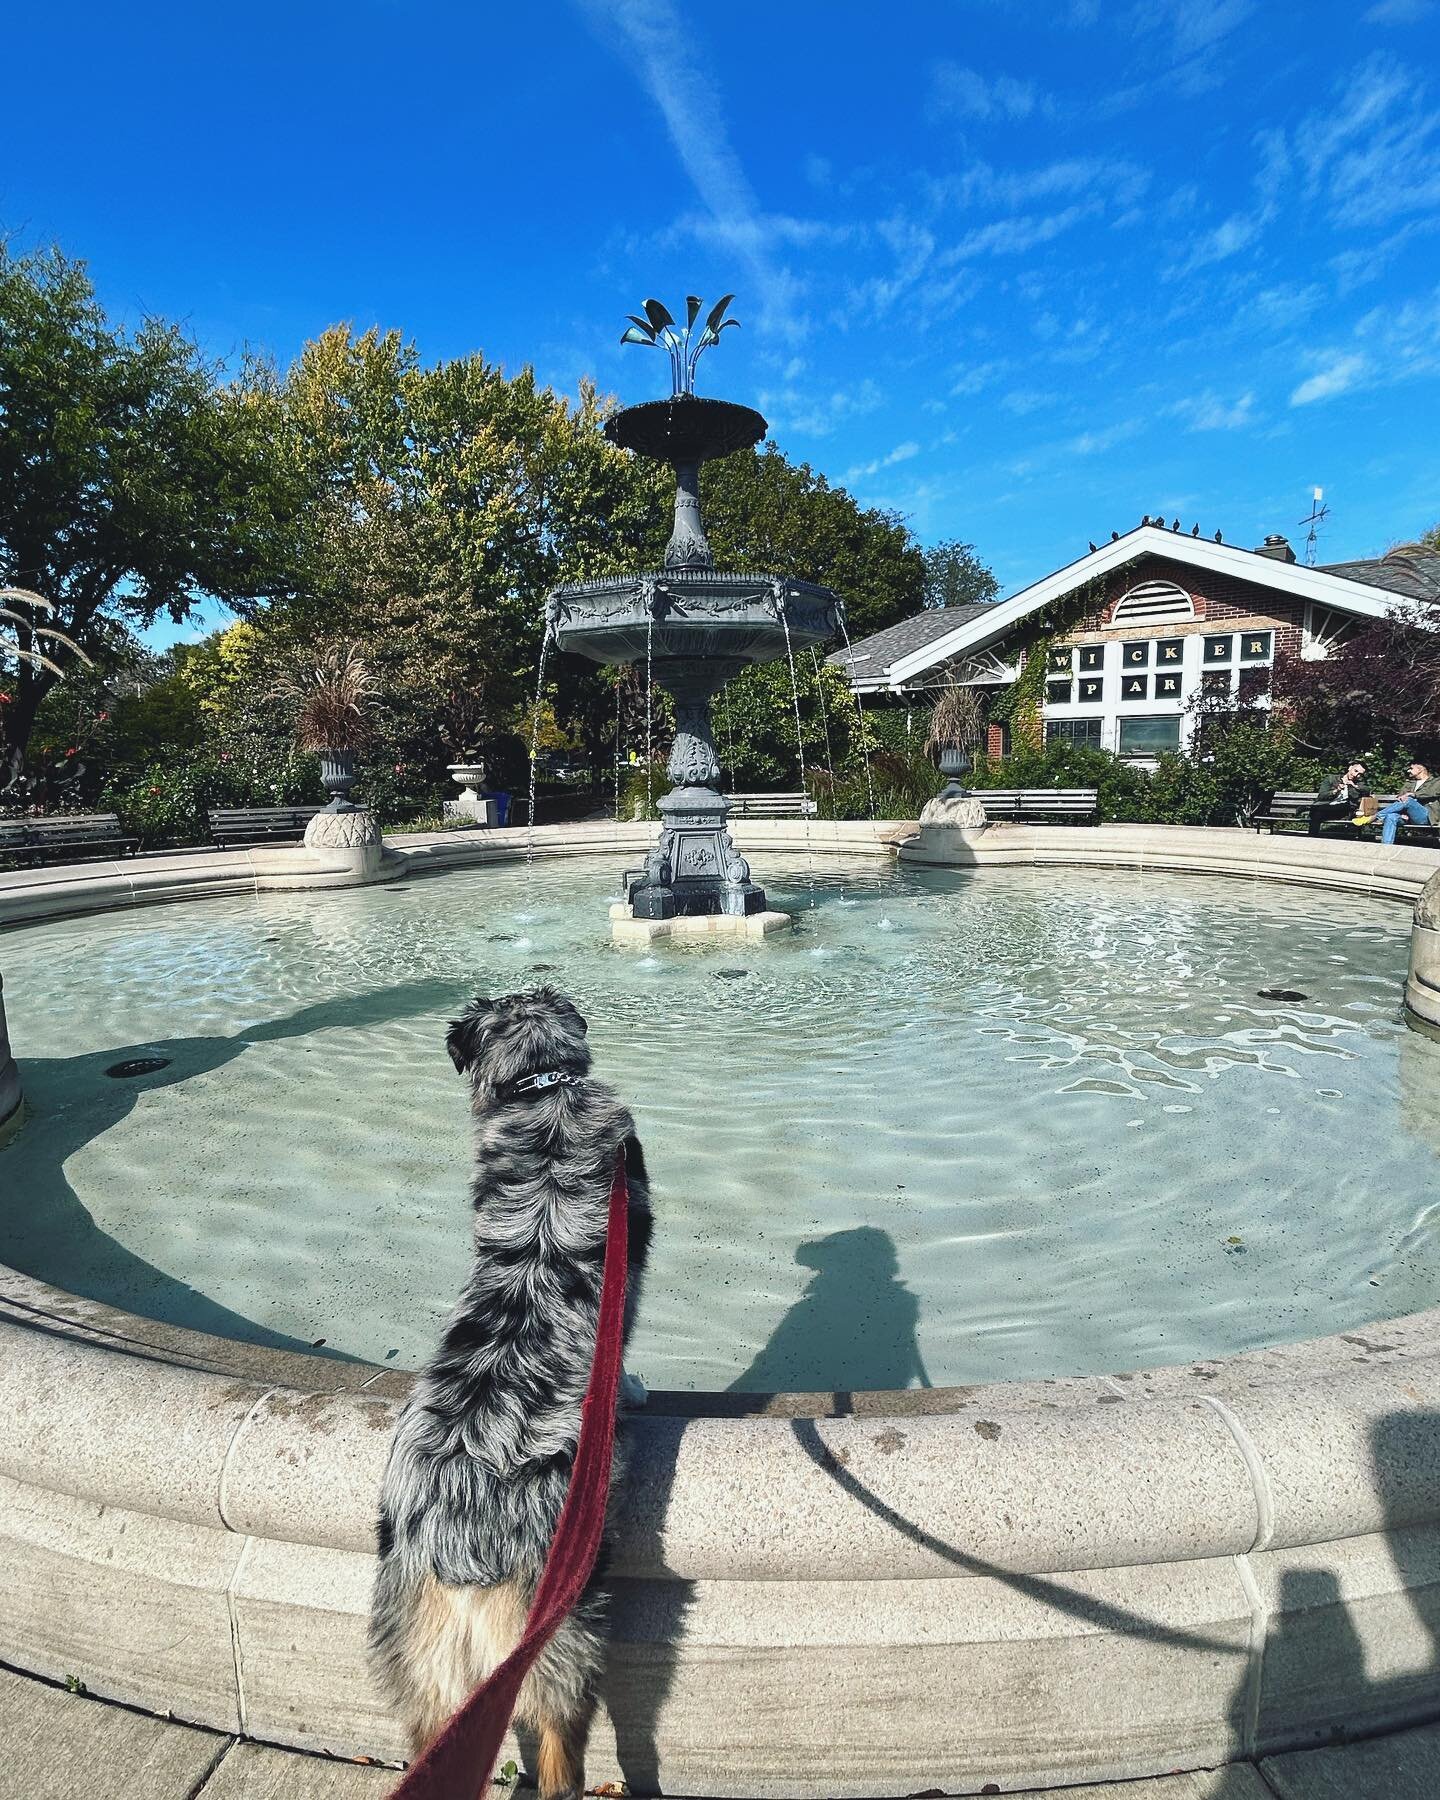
<point x="465" y="1034"/>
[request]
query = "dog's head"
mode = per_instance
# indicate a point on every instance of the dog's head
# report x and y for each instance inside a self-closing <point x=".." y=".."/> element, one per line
<point x="498" y="1041"/>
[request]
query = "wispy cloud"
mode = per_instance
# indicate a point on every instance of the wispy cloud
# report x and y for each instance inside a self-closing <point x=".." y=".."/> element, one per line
<point x="901" y="453"/>
<point x="1374" y="153"/>
<point x="1398" y="12"/>
<point x="1024" y="401"/>
<point x="791" y="409"/>
<point x="1208" y="412"/>
<point x="975" y="378"/>
<point x="967" y="94"/>
<point x="1009" y="237"/>
<point x="1339" y="374"/>
<point x="653" y="40"/>
<point x="1093" y="443"/>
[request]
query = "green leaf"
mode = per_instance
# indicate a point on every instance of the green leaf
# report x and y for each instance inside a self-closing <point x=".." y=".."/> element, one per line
<point x="693" y="303"/>
<point x="717" y="313"/>
<point x="658" y="315"/>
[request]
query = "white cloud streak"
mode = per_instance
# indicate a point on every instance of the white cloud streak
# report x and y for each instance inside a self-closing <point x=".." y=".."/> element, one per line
<point x="656" y="44"/>
<point x="1339" y="375"/>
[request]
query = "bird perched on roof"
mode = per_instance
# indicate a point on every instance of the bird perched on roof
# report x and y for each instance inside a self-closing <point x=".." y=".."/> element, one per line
<point x="1194" y="531"/>
<point x="1114" y="537"/>
<point x="1174" y="524"/>
<point x="1218" y="538"/>
<point x="1146" y="519"/>
<point x="1093" y="545"/>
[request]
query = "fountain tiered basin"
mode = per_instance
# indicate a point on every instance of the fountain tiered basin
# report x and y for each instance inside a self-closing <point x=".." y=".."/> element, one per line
<point x="694" y="627"/>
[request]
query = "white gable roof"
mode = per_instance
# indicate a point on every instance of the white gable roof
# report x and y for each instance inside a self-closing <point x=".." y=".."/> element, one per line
<point x="1334" y="591"/>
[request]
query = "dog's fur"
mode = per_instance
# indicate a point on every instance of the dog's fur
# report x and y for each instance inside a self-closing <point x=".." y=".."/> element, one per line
<point x="483" y="1451"/>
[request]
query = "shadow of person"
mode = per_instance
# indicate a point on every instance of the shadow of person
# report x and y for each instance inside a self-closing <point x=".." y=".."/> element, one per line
<point x="853" y="1327"/>
<point x="647" y="1617"/>
<point x="1332" y="1670"/>
<point x="50" y="1234"/>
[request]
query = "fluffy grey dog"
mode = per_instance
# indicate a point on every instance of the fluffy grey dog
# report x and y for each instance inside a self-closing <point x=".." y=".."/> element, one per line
<point x="482" y="1453"/>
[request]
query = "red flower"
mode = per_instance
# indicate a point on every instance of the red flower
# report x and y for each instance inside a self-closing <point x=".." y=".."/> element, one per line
<point x="154" y="790"/>
<point x="73" y="750"/>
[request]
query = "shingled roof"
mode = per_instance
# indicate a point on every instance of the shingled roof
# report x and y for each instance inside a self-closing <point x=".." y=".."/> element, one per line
<point x="874" y="654"/>
<point x="1411" y="569"/>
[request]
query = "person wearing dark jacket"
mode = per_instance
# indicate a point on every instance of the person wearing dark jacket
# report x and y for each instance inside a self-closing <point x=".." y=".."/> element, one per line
<point x="1338" y="797"/>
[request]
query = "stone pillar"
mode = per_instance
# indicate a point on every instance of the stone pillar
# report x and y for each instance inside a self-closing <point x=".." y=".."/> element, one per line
<point x="1422" y="987"/>
<point x="354" y="836"/>
<point x="9" y="1073"/>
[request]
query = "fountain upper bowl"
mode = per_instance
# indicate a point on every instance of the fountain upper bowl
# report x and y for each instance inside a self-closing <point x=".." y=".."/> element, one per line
<point x="685" y="428"/>
<point x="700" y="614"/>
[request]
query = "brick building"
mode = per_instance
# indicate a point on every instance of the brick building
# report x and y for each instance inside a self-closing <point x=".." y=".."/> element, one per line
<point x="1136" y="628"/>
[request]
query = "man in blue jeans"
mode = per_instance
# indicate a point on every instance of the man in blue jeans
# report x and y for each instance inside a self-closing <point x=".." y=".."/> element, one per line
<point x="1419" y="804"/>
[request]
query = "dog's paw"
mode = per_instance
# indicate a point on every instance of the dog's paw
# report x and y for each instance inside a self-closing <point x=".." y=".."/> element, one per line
<point x="633" y="1391"/>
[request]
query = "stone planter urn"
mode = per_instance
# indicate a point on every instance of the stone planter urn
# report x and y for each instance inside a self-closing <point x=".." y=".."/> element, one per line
<point x="337" y="772"/>
<point x="468" y="776"/>
<point x="472" y="807"/>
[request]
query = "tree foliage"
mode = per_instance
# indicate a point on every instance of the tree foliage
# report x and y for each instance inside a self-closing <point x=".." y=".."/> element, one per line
<point x="955" y="576"/>
<point x="133" y="478"/>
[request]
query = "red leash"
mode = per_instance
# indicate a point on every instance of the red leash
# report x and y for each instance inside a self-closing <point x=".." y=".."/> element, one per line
<point x="459" y="1763"/>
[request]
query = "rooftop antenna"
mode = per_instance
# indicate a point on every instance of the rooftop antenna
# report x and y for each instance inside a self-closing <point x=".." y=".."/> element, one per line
<point x="1318" y="513"/>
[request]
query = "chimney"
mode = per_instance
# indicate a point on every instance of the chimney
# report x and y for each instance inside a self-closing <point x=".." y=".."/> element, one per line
<point x="1276" y="546"/>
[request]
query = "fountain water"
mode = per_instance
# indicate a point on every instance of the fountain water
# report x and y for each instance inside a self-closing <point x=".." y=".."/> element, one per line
<point x="695" y="625"/>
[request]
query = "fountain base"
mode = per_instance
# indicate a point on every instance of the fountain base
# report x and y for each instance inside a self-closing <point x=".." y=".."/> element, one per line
<point x="693" y="868"/>
<point x="626" y="927"/>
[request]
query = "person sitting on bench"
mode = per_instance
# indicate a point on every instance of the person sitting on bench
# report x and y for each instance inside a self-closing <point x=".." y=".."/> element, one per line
<point x="1419" y="804"/>
<point x="1338" y="797"/>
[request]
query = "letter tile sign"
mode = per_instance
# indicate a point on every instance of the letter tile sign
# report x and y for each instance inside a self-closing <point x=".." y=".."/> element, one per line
<point x="1134" y="687"/>
<point x="1060" y="659"/>
<point x="1218" y="650"/>
<point x="1092" y="688"/>
<point x="1167" y="684"/>
<point x="1255" y="646"/>
<point x="1092" y="656"/>
<point x="1170" y="653"/>
<point x="1135" y="656"/>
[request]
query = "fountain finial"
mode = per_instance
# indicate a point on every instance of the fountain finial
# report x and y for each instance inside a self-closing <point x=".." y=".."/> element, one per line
<point x="658" y="327"/>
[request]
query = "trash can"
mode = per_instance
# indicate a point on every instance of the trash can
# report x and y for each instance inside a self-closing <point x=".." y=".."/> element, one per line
<point x="502" y="806"/>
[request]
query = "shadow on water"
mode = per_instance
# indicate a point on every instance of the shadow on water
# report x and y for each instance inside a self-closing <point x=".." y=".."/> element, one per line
<point x="853" y="1327"/>
<point x="72" y="1103"/>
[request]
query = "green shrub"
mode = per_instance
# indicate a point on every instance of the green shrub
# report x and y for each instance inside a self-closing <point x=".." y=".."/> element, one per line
<point x="164" y="803"/>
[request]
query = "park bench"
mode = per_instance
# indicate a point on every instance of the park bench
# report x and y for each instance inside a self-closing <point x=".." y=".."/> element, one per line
<point x="64" y="837"/>
<point x="1293" y="808"/>
<point x="1288" y="808"/>
<point x="239" y="826"/>
<point x="1077" y="806"/>
<point x="772" y="806"/>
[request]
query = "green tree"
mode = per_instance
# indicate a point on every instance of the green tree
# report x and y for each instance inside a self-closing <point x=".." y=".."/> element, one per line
<point x="955" y="576"/>
<point x="765" y="512"/>
<point x="134" y="479"/>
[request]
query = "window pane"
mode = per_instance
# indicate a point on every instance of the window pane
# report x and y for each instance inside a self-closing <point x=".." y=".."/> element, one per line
<point x="1057" y="693"/>
<point x="1148" y="737"/>
<point x="1255" y="646"/>
<point x="1136" y="656"/>
<point x="1217" y="649"/>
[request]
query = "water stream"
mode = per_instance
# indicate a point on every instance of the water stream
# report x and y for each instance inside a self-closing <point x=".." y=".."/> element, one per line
<point x="859" y="717"/>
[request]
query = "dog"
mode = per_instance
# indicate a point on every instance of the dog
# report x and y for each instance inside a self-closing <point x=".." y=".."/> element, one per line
<point x="482" y="1453"/>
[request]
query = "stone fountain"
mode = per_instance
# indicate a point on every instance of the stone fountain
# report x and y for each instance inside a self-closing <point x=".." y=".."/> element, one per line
<point x="694" y="626"/>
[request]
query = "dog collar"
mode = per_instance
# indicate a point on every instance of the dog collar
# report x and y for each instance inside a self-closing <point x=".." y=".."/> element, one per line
<point x="537" y="1084"/>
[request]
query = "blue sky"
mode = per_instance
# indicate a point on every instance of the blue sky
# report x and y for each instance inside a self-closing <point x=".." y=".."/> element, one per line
<point x="1021" y="272"/>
